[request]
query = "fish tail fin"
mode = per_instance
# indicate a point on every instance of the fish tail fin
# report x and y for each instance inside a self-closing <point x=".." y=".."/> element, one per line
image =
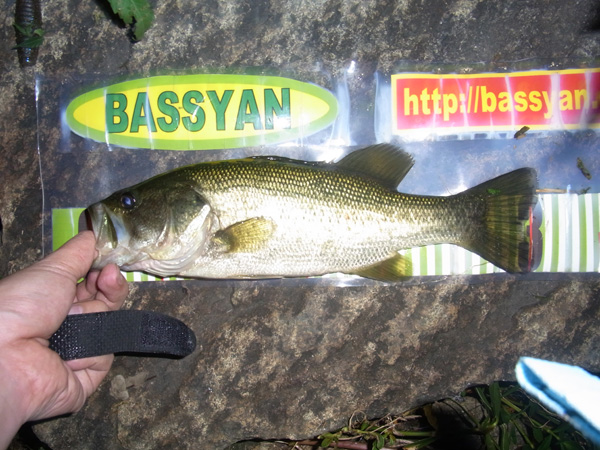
<point x="501" y="235"/>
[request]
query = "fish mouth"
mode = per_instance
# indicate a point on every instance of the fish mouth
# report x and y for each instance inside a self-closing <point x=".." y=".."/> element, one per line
<point x="108" y="230"/>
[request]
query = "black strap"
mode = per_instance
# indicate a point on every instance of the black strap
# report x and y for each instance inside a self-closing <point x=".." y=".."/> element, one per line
<point x="124" y="331"/>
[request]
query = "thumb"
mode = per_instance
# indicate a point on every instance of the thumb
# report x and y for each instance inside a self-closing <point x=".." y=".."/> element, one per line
<point x="73" y="259"/>
<point x="42" y="294"/>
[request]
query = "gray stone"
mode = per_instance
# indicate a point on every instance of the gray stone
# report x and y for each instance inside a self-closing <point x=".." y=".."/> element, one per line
<point x="295" y="358"/>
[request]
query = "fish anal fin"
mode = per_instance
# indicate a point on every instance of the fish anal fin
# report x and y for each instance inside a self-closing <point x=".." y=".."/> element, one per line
<point x="385" y="163"/>
<point x="396" y="268"/>
<point x="248" y="235"/>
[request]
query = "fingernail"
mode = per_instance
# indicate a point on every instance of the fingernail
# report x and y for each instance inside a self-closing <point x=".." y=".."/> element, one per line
<point x="76" y="309"/>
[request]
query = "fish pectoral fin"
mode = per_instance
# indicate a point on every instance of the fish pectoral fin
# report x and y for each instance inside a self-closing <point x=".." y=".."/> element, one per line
<point x="396" y="268"/>
<point x="385" y="163"/>
<point x="246" y="236"/>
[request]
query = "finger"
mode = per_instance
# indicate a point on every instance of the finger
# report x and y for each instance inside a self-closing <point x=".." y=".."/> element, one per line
<point x="73" y="259"/>
<point x="90" y="371"/>
<point x="112" y="287"/>
<point x="77" y="380"/>
<point x="107" y="285"/>
<point x="95" y="366"/>
<point x="86" y="290"/>
<point x="41" y="294"/>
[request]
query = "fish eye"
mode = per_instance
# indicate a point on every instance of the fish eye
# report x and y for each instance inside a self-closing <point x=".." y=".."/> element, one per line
<point x="128" y="200"/>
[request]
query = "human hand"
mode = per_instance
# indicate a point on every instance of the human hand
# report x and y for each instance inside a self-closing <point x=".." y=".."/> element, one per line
<point x="36" y="382"/>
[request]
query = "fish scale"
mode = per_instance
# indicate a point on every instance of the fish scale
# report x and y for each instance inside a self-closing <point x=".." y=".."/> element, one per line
<point x="334" y="208"/>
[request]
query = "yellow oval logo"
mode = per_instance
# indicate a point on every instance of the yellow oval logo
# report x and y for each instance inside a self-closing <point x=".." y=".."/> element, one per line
<point x="197" y="112"/>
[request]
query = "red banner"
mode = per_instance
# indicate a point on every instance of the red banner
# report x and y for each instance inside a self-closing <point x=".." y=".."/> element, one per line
<point x="541" y="100"/>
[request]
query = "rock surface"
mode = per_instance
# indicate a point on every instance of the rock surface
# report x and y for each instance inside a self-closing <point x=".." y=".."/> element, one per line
<point x="294" y="358"/>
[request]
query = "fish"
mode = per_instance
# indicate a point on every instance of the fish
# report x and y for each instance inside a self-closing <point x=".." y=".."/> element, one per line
<point x="274" y="217"/>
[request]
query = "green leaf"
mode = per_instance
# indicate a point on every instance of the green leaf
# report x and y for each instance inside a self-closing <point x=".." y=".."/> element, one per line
<point x="136" y="13"/>
<point x="569" y="445"/>
<point x="489" y="442"/>
<point x="496" y="400"/>
<point x="506" y="438"/>
<point x="31" y="42"/>
<point x="420" y="443"/>
<point x="483" y="399"/>
<point x="325" y="442"/>
<point x="510" y="390"/>
<point x="24" y="30"/>
<point x="31" y="38"/>
<point x="376" y="446"/>
<point x="564" y="427"/>
<point x="328" y="439"/>
<point x="545" y="445"/>
<point x="538" y="434"/>
<point x="505" y="416"/>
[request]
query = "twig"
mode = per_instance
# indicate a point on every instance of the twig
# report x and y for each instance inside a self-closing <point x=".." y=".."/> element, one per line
<point x="342" y="444"/>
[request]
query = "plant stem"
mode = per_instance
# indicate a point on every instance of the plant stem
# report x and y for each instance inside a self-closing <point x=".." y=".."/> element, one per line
<point x="342" y="444"/>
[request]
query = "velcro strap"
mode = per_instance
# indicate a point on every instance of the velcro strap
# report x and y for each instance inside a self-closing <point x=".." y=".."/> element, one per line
<point x="123" y="331"/>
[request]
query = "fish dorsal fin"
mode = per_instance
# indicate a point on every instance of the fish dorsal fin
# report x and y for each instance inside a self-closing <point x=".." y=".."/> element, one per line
<point x="396" y="268"/>
<point x="246" y="236"/>
<point x="383" y="162"/>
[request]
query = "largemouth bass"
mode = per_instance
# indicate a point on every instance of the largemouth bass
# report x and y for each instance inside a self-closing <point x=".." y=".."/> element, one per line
<point x="265" y="217"/>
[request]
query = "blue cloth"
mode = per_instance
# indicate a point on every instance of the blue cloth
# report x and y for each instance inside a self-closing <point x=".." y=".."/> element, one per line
<point x="569" y="391"/>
